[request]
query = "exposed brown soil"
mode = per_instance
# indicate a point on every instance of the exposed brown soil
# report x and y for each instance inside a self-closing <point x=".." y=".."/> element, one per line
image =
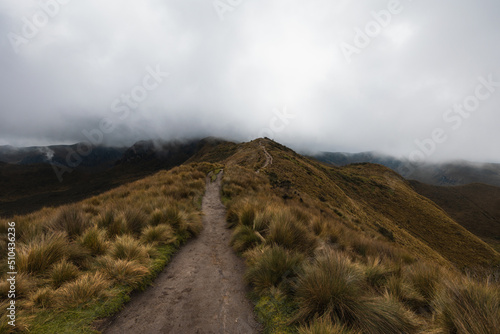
<point x="201" y="290"/>
<point x="269" y="158"/>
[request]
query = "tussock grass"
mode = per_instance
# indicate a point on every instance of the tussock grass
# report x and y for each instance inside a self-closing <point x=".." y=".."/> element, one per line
<point x="286" y="231"/>
<point x="95" y="240"/>
<point x="324" y="326"/>
<point x="113" y="223"/>
<point x="468" y="307"/>
<point x="244" y="237"/>
<point x="135" y="220"/>
<point x="157" y="217"/>
<point x="80" y="255"/>
<point x="71" y="220"/>
<point x="366" y="241"/>
<point x="331" y="285"/>
<point x="158" y="235"/>
<point x="25" y="285"/>
<point x="43" y="297"/>
<point x="400" y="289"/>
<point x="63" y="272"/>
<point x="247" y="215"/>
<point x="376" y="273"/>
<point x="123" y="271"/>
<point x="425" y="278"/>
<point x="41" y="252"/>
<point x="272" y="267"/>
<point x="128" y="248"/>
<point x="22" y="320"/>
<point x="384" y="315"/>
<point x="87" y="287"/>
<point x="173" y="216"/>
<point x="190" y="222"/>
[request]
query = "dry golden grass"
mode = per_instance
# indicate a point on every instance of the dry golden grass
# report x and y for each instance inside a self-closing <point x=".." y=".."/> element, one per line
<point x="41" y="252"/>
<point x="95" y="240"/>
<point x="87" y="287"/>
<point x="468" y="306"/>
<point x="272" y="267"/>
<point x="123" y="271"/>
<point x="315" y="235"/>
<point x="63" y="272"/>
<point x="158" y="235"/>
<point x="74" y="255"/>
<point x="324" y="326"/>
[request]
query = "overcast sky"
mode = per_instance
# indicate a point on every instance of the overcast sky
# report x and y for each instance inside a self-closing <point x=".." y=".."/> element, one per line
<point x="322" y="74"/>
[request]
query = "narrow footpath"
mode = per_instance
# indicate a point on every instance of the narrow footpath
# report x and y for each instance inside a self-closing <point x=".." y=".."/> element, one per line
<point x="201" y="291"/>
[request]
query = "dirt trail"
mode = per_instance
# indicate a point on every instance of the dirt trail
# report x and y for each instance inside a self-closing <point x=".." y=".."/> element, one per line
<point x="269" y="158"/>
<point x="200" y="291"/>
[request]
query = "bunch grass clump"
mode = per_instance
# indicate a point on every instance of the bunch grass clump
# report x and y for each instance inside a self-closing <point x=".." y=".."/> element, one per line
<point x="158" y="235"/>
<point x="86" y="288"/>
<point x="128" y="248"/>
<point x="71" y="220"/>
<point x="95" y="240"/>
<point x="272" y="266"/>
<point x="41" y="252"/>
<point x="469" y="307"/>
<point x="63" y="272"/>
<point x="122" y="271"/>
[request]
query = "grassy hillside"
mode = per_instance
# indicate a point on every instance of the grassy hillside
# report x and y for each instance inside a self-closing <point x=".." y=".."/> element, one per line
<point x="441" y="174"/>
<point x="328" y="249"/>
<point x="27" y="188"/>
<point x="475" y="206"/>
<point x="355" y="249"/>
<point x="79" y="262"/>
<point x="373" y="198"/>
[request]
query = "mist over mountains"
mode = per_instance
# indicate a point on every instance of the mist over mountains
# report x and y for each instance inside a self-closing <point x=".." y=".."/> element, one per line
<point x="458" y="172"/>
<point x="82" y="156"/>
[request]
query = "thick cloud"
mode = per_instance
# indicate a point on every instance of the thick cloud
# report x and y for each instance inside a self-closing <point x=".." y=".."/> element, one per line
<point x="297" y="71"/>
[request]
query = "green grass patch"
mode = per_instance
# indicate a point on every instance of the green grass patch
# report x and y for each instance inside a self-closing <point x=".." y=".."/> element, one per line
<point x="275" y="311"/>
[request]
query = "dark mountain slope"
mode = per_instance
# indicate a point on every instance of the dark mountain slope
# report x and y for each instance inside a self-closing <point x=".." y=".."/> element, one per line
<point x="474" y="206"/>
<point x="29" y="187"/>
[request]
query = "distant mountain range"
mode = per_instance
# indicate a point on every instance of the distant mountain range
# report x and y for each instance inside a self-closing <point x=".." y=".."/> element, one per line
<point x="33" y="177"/>
<point x="441" y="174"/>
<point x="467" y="191"/>
<point x="77" y="155"/>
